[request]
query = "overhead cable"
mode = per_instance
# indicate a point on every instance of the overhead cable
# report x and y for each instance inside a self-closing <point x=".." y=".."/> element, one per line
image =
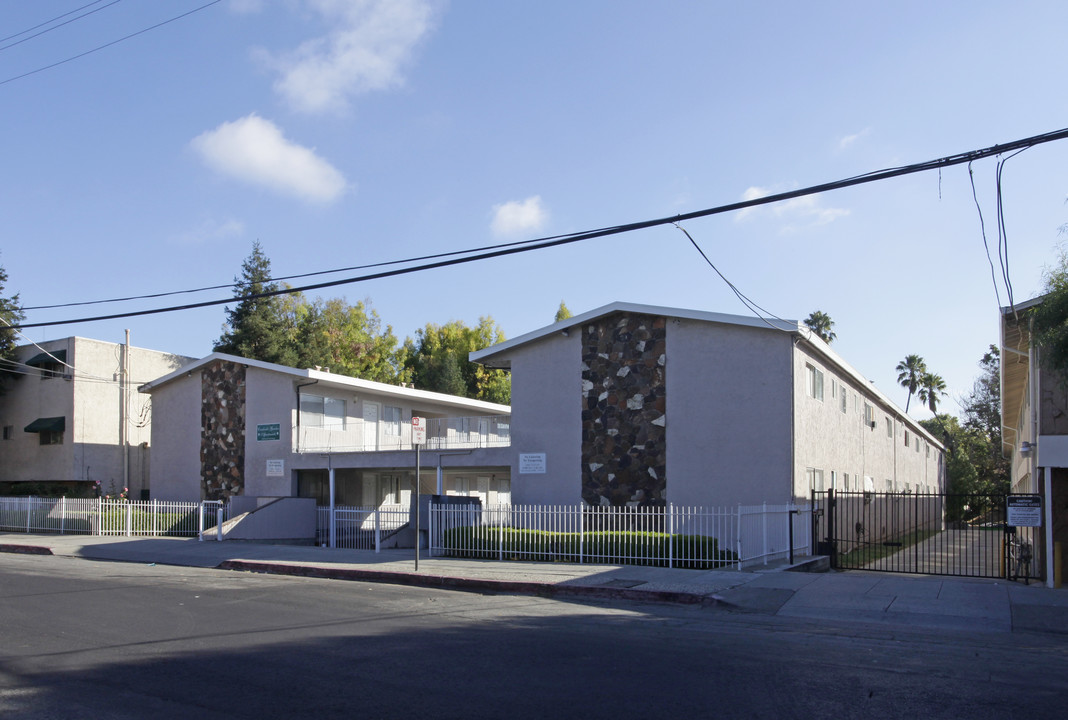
<point x="555" y="241"/>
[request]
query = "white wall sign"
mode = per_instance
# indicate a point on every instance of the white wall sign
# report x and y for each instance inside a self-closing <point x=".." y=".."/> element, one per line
<point x="1023" y="510"/>
<point x="531" y="463"/>
<point x="276" y="468"/>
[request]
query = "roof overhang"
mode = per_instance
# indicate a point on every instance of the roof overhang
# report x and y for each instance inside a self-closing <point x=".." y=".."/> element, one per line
<point x="496" y="356"/>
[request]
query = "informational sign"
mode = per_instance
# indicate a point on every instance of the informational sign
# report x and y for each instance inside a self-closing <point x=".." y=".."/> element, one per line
<point x="418" y="431"/>
<point x="1023" y="510"/>
<point x="276" y="468"/>
<point x="531" y="463"/>
<point x="270" y="431"/>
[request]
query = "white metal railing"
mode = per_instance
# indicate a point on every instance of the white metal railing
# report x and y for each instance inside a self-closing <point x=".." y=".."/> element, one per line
<point x="671" y="536"/>
<point x="359" y="528"/>
<point x="103" y="516"/>
<point x="451" y="433"/>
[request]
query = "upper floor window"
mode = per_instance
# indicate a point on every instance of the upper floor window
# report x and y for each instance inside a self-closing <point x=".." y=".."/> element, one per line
<point x="907" y="436"/>
<point x="869" y="415"/>
<point x="889" y="428"/>
<point x="844" y="403"/>
<point x="391" y="420"/>
<point x="814" y="382"/>
<point x="324" y="412"/>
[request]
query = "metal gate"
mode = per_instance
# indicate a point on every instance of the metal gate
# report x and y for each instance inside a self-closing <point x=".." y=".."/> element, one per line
<point x="932" y="534"/>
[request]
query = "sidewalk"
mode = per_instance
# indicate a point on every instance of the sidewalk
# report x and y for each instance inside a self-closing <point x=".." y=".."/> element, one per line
<point x="906" y="601"/>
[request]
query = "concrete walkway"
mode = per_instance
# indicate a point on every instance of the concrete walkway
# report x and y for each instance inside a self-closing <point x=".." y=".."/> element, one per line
<point x="903" y="601"/>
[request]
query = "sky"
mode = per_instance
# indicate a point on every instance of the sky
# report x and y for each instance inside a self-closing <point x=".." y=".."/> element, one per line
<point x="147" y="145"/>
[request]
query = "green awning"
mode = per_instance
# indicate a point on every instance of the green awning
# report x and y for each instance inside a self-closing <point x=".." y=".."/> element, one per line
<point x="54" y="424"/>
<point x="41" y="359"/>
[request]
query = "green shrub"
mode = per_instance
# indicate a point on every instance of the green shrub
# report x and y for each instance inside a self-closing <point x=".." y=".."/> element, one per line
<point x="624" y="547"/>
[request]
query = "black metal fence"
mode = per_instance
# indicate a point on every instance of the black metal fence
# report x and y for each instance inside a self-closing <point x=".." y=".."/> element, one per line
<point x="933" y="534"/>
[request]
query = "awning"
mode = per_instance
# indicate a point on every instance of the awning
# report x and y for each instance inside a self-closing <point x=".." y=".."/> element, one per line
<point x="53" y="424"/>
<point x="41" y="359"/>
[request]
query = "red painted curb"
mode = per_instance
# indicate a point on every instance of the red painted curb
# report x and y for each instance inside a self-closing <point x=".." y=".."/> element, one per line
<point x="26" y="549"/>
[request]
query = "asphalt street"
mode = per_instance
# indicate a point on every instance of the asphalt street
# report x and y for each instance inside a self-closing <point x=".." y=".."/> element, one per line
<point x="95" y="639"/>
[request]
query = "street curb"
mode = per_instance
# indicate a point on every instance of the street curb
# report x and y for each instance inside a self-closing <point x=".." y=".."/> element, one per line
<point x="457" y="583"/>
<point x="26" y="549"/>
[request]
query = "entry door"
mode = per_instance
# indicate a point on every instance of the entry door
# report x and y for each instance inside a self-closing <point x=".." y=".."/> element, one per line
<point x="370" y="425"/>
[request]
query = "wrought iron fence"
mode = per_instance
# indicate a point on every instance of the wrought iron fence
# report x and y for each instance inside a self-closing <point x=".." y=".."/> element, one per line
<point x="102" y="516"/>
<point x="671" y="536"/>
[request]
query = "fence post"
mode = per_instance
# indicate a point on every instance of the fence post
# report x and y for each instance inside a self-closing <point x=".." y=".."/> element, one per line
<point x="738" y="529"/>
<point x="500" y="529"/>
<point x="378" y="529"/>
<point x="155" y="517"/>
<point x="671" y="538"/>
<point x="218" y="523"/>
<point x="62" y="514"/>
<point x="29" y="512"/>
<point x="129" y="519"/>
<point x="764" y="524"/>
<point x="200" y="524"/>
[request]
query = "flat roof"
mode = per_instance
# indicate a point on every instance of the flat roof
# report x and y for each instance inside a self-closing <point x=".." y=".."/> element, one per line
<point x="335" y="380"/>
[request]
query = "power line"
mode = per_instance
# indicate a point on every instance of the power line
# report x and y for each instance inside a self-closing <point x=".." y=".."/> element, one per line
<point x="543" y="243"/>
<point x="56" y="27"/>
<point x="107" y="45"/>
<point x="293" y="277"/>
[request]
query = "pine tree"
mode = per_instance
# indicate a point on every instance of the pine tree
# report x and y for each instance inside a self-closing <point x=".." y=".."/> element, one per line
<point x="10" y="314"/>
<point x="255" y="328"/>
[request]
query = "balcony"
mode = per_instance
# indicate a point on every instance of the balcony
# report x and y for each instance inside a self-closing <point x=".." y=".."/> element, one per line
<point x="451" y="433"/>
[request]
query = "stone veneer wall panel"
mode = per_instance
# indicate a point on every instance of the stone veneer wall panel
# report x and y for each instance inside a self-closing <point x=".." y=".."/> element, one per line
<point x="624" y="452"/>
<point x="222" y="430"/>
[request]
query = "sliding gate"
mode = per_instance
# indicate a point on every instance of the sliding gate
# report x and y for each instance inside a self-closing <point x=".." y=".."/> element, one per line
<point x="933" y="534"/>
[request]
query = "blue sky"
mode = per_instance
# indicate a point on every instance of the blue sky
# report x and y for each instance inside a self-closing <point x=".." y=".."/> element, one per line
<point x="339" y="133"/>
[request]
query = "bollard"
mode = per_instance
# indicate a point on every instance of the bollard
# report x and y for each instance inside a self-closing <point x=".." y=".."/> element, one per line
<point x="1058" y="563"/>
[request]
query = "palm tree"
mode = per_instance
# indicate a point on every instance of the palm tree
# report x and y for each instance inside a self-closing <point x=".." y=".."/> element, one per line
<point x="821" y="324"/>
<point x="910" y="372"/>
<point x="932" y="387"/>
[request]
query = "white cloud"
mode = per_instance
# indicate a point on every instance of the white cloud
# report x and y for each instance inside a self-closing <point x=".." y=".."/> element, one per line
<point x="255" y="151"/>
<point x="848" y="140"/>
<point x="515" y="217"/>
<point x="211" y="231"/>
<point x="806" y="209"/>
<point x="367" y="48"/>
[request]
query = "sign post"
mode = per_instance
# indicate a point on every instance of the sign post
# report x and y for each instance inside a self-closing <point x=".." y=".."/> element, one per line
<point x="418" y="439"/>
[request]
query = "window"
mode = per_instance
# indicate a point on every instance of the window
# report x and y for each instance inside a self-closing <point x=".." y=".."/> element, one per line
<point x="9" y="432"/>
<point x="51" y="437"/>
<point x="844" y="400"/>
<point x="889" y="428"/>
<point x="814" y="382"/>
<point x="869" y="415"/>
<point x="324" y="412"/>
<point x="916" y="441"/>
<point x="845" y="481"/>
<point x="907" y="438"/>
<point x="391" y="418"/>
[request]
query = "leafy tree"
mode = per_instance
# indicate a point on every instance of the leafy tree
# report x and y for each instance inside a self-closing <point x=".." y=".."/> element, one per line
<point x="438" y="352"/>
<point x="255" y="328"/>
<point x="1049" y="319"/>
<point x="982" y="415"/>
<point x="10" y="314"/>
<point x="932" y="388"/>
<point x="910" y="372"/>
<point x="821" y="324"/>
<point x="348" y="339"/>
<point x="562" y="313"/>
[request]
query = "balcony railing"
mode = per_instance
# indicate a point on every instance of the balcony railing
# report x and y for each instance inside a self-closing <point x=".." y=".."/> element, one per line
<point x="453" y="433"/>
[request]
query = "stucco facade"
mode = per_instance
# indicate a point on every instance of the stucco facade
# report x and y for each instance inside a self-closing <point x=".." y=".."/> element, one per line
<point x="729" y="410"/>
<point x="1034" y="412"/>
<point x="95" y="427"/>
<point x="232" y="427"/>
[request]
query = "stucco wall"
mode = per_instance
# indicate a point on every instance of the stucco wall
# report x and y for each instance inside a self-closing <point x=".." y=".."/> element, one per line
<point x="175" y="469"/>
<point x="841" y="444"/>
<point x="546" y="419"/>
<point x="728" y="423"/>
<point x="270" y="398"/>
